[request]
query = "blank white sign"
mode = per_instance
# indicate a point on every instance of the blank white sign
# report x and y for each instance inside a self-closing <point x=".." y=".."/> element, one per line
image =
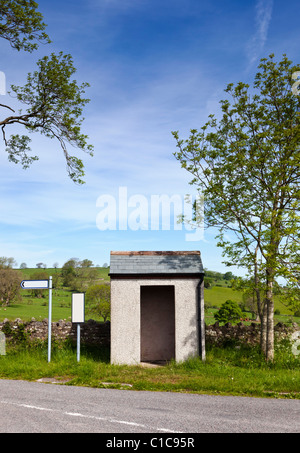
<point x="78" y="307"/>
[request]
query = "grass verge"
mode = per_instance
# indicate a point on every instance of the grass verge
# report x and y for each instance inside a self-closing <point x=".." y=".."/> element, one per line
<point x="231" y="371"/>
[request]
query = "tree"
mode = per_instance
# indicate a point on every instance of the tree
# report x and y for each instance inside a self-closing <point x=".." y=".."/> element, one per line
<point x="228" y="276"/>
<point x="78" y="275"/>
<point x="98" y="300"/>
<point x="247" y="165"/>
<point x="54" y="102"/>
<point x="229" y="312"/>
<point x="86" y="263"/>
<point x="21" y="24"/>
<point x="251" y="295"/>
<point x="10" y="280"/>
<point x="68" y="272"/>
<point x="7" y="263"/>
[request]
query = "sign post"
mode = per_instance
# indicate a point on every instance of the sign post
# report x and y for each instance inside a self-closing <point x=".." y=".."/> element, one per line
<point x="42" y="284"/>
<point x="49" y="319"/>
<point x="78" y="316"/>
<point x="35" y="284"/>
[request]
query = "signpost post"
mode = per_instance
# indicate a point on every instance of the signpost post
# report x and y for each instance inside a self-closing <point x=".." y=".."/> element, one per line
<point x="49" y="318"/>
<point x="78" y="316"/>
<point x="42" y="284"/>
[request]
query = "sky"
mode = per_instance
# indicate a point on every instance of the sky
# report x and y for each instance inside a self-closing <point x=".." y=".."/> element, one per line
<point x="153" y="67"/>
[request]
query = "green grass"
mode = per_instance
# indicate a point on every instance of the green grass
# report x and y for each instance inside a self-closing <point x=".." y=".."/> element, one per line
<point x="33" y="307"/>
<point x="227" y="371"/>
<point x="216" y="296"/>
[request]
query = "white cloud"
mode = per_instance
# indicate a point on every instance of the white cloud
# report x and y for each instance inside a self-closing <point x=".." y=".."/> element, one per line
<point x="263" y="10"/>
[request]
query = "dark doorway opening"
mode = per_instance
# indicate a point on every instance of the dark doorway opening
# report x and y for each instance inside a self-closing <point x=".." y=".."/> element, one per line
<point x="157" y="323"/>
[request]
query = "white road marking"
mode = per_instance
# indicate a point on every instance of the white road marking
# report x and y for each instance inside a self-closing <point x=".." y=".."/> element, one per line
<point x="77" y="414"/>
<point x="165" y="430"/>
<point x="34" y="407"/>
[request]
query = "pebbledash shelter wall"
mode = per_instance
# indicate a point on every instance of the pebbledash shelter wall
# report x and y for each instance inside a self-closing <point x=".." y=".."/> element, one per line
<point x="157" y="306"/>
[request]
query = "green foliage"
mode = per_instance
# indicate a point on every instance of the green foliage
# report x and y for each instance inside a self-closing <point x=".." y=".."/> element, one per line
<point x="229" y="312"/>
<point x="247" y="166"/>
<point x="54" y="101"/>
<point x="55" y="106"/>
<point x="207" y="282"/>
<point x="21" y="24"/>
<point x="9" y="285"/>
<point x="98" y="300"/>
<point x="232" y="163"/>
<point x="78" y="275"/>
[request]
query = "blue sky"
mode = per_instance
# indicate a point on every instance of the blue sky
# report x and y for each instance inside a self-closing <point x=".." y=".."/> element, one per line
<point x="154" y="67"/>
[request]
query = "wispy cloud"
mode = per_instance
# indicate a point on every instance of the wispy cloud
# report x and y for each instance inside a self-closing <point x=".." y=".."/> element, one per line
<point x="263" y="14"/>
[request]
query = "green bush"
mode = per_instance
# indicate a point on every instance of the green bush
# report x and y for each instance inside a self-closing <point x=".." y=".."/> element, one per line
<point x="98" y="300"/>
<point x="229" y="312"/>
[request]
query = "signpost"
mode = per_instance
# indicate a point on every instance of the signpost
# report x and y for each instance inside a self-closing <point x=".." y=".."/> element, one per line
<point x="35" y="284"/>
<point x="42" y="284"/>
<point x="78" y="316"/>
<point x="49" y="318"/>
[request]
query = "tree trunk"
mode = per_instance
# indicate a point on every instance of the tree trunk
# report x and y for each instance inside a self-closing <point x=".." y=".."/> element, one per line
<point x="270" y="316"/>
<point x="263" y="329"/>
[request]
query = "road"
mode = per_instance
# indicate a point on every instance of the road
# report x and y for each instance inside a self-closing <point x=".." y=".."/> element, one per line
<point x="33" y="407"/>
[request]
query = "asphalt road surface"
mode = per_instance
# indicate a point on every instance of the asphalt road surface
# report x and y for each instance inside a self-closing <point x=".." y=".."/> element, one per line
<point x="33" y="407"/>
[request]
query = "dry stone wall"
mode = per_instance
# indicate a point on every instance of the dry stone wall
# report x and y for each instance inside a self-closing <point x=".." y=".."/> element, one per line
<point x="91" y="332"/>
<point x="97" y="333"/>
<point x="240" y="333"/>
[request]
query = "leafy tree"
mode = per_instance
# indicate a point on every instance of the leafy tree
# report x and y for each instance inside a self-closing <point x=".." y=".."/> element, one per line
<point x="86" y="263"/>
<point x="7" y="263"/>
<point x="207" y="282"/>
<point x="68" y="272"/>
<point x="21" y="24"/>
<point x="249" y="295"/>
<point x="53" y="101"/>
<point x="247" y="165"/>
<point x="10" y="280"/>
<point x="78" y="275"/>
<point x="98" y="300"/>
<point x="229" y="312"/>
<point x="228" y="276"/>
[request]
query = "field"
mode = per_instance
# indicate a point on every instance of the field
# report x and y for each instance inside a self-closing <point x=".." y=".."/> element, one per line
<point x="215" y="296"/>
<point x="33" y="307"/>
